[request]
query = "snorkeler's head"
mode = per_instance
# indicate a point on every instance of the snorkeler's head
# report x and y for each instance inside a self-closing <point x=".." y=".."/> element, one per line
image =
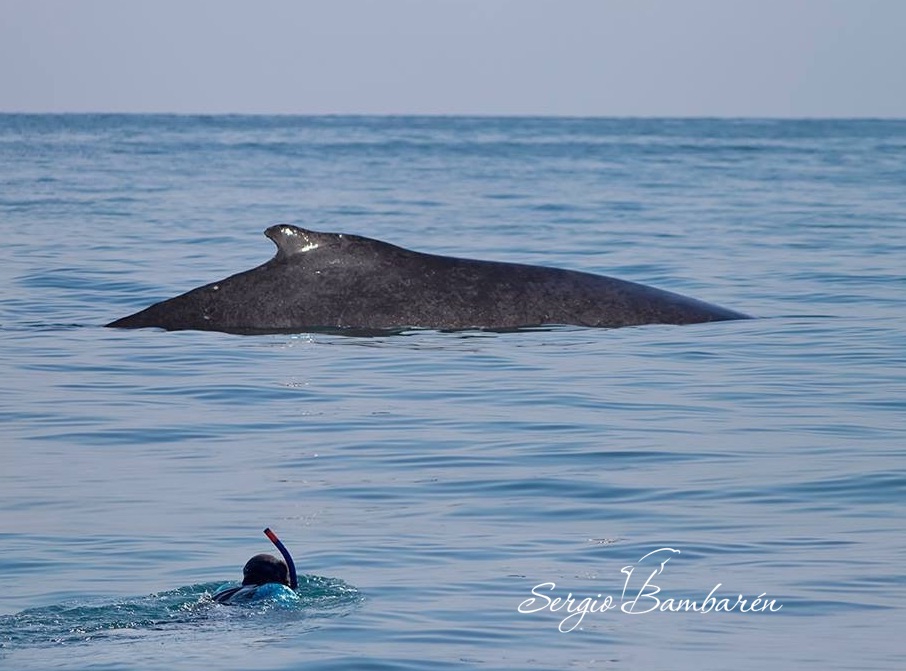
<point x="262" y="569"/>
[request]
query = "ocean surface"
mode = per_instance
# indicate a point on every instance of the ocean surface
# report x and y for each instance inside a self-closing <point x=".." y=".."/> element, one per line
<point x="726" y="495"/>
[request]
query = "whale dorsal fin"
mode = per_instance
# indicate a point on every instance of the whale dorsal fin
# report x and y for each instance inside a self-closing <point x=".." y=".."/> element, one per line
<point x="291" y="240"/>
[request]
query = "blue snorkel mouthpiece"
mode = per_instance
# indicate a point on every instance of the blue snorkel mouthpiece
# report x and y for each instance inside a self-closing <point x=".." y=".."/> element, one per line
<point x="287" y="557"/>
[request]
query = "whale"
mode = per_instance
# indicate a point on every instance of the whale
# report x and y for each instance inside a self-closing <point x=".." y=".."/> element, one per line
<point x="320" y="281"/>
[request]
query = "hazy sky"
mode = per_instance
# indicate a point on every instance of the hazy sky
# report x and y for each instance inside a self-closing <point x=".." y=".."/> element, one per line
<point x="798" y="58"/>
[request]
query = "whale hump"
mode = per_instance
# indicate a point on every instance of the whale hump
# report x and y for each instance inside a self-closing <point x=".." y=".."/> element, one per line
<point x="292" y="240"/>
<point x="319" y="281"/>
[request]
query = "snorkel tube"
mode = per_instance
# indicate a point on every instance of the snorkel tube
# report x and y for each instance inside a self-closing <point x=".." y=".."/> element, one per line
<point x="287" y="557"/>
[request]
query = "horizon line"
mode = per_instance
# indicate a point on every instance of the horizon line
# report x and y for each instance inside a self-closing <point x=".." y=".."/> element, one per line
<point x="468" y="115"/>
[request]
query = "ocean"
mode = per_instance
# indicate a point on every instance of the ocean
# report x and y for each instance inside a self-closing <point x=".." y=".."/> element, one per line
<point x="712" y="496"/>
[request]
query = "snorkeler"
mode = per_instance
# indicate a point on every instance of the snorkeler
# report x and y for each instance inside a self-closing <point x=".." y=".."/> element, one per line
<point x="263" y="577"/>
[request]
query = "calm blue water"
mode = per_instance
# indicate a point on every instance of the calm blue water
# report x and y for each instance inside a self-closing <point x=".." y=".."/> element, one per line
<point x="428" y="482"/>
